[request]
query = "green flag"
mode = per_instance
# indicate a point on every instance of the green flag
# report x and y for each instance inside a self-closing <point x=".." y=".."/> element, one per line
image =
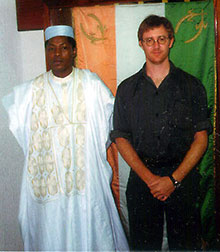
<point x="194" y="52"/>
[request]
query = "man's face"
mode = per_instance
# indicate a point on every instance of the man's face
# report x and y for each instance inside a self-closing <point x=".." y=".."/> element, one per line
<point x="156" y="53"/>
<point x="60" y="55"/>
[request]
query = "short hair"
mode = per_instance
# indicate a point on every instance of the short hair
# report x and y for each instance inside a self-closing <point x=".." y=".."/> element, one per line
<point x="72" y="41"/>
<point x="153" y="21"/>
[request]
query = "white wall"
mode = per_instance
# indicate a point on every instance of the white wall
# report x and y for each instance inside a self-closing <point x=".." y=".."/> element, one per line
<point x="21" y="59"/>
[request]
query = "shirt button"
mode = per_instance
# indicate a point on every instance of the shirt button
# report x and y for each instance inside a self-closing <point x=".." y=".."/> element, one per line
<point x="157" y="114"/>
<point x="156" y="93"/>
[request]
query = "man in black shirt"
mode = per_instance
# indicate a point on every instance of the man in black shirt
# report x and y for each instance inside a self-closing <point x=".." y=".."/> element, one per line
<point x="161" y="129"/>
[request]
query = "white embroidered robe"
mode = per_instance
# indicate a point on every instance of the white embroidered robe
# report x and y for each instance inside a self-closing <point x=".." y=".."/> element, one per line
<point x="63" y="128"/>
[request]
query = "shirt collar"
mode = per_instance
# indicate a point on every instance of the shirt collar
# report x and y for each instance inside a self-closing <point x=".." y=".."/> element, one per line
<point x="172" y="69"/>
<point x="58" y="79"/>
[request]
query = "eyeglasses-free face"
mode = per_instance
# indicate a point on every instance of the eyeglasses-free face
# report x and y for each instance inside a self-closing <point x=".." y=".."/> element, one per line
<point x="150" y="41"/>
<point x="60" y="55"/>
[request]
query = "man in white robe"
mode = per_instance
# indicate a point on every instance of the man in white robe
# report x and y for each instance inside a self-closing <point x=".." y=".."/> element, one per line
<point x="62" y="120"/>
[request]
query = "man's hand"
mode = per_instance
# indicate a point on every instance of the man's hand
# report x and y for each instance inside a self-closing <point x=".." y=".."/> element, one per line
<point x="161" y="187"/>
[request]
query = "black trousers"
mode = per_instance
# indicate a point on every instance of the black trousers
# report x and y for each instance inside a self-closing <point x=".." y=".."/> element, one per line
<point x="146" y="216"/>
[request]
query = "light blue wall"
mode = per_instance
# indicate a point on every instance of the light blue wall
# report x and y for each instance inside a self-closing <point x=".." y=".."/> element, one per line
<point x="21" y="58"/>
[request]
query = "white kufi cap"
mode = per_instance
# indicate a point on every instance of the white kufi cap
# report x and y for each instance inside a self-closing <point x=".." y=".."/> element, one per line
<point x="58" y="30"/>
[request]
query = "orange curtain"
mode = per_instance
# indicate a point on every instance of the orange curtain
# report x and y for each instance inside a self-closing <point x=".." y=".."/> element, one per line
<point x="96" y="50"/>
<point x="95" y="36"/>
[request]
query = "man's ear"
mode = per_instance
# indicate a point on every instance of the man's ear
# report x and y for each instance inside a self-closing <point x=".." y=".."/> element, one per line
<point x="74" y="52"/>
<point x="171" y="42"/>
<point x="140" y="44"/>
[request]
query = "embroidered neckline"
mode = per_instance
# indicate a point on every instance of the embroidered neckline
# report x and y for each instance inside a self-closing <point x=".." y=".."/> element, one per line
<point x="62" y="80"/>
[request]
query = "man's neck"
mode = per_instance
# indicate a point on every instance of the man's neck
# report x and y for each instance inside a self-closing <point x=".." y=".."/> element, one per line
<point x="62" y="74"/>
<point x="158" y="72"/>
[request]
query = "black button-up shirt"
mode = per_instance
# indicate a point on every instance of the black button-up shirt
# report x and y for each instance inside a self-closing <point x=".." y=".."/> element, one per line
<point x="160" y="122"/>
